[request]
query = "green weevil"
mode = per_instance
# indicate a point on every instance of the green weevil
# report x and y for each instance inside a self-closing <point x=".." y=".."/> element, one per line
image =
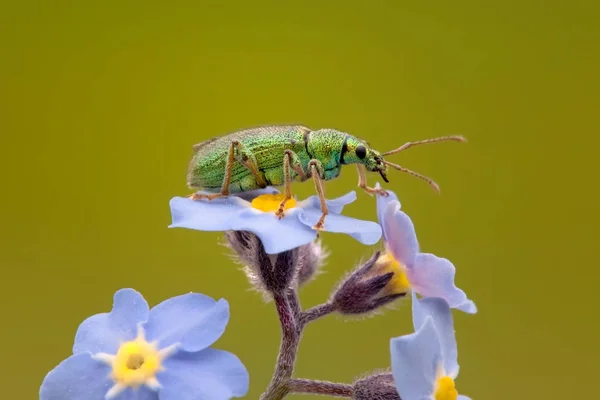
<point x="276" y="155"/>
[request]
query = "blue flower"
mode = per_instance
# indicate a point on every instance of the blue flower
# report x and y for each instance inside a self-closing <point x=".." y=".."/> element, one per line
<point x="255" y="212"/>
<point x="425" y="363"/>
<point x="427" y="274"/>
<point x="133" y="352"/>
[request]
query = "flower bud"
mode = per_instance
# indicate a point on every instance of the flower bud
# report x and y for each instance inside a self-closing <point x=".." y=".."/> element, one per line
<point x="312" y="258"/>
<point x="376" y="387"/>
<point x="269" y="273"/>
<point x="365" y="289"/>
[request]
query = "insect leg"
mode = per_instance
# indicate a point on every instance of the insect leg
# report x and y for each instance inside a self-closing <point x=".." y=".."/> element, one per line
<point x="362" y="182"/>
<point x="236" y="153"/>
<point x="316" y="171"/>
<point x="290" y="161"/>
<point x="248" y="160"/>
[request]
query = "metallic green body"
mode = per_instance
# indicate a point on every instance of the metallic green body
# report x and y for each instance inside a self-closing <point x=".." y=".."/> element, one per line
<point x="266" y="145"/>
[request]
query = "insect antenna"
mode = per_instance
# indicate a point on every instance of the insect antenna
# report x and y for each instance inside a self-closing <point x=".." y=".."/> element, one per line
<point x="430" y="181"/>
<point x="426" y="141"/>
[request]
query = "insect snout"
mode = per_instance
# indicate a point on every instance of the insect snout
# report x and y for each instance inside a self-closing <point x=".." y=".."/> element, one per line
<point x="381" y="168"/>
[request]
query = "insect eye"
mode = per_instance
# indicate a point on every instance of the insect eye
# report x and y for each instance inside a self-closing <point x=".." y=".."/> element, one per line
<point x="361" y="152"/>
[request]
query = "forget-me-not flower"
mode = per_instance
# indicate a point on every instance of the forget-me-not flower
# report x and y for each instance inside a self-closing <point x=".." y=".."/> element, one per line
<point x="162" y="353"/>
<point x="425" y="363"/>
<point x="426" y="274"/>
<point x="255" y="212"/>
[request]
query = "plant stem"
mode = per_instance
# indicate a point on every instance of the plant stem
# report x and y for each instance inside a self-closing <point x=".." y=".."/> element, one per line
<point x="323" y="388"/>
<point x="290" y="338"/>
<point x="293" y="321"/>
<point x="316" y="312"/>
<point x="292" y="297"/>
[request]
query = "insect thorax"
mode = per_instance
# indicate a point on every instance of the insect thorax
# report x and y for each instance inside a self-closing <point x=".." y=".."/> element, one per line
<point x="326" y="146"/>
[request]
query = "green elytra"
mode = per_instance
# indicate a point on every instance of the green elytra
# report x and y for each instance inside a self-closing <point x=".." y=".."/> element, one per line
<point x="276" y="155"/>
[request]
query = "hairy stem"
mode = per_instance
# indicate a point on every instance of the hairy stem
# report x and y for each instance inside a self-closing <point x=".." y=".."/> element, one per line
<point x="290" y="338"/>
<point x="316" y="312"/>
<point x="293" y="320"/>
<point x="292" y="297"/>
<point x="323" y="388"/>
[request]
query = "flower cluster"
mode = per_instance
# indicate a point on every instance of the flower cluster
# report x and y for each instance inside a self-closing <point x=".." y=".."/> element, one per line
<point x="165" y="353"/>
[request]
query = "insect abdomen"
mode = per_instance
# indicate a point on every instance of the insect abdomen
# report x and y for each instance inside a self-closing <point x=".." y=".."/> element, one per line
<point x="267" y="145"/>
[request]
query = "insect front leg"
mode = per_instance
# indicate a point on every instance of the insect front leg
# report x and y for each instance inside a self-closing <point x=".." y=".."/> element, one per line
<point x="236" y="152"/>
<point x="316" y="172"/>
<point x="362" y="182"/>
<point x="291" y="161"/>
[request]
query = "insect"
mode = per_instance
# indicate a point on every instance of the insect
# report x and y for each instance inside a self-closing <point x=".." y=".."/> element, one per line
<point x="276" y="155"/>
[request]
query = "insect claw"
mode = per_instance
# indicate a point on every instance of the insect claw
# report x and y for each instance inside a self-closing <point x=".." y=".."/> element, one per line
<point x="375" y="191"/>
<point x="320" y="225"/>
<point x="212" y="196"/>
<point x="280" y="214"/>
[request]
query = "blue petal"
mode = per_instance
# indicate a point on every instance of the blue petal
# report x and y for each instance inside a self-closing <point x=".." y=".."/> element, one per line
<point x="437" y="309"/>
<point x="399" y="231"/>
<point x="102" y="333"/>
<point x="276" y="235"/>
<point x="334" y="206"/>
<point x="78" y="377"/>
<point x="382" y="203"/>
<point x="206" y="215"/>
<point x="468" y="306"/>
<point x="366" y="232"/>
<point x="208" y="374"/>
<point x="433" y="276"/>
<point x="194" y="320"/>
<point x="415" y="359"/>
<point x="139" y="393"/>
<point x="461" y="397"/>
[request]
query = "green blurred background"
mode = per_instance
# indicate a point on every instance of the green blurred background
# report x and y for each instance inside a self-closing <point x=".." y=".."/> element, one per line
<point x="102" y="101"/>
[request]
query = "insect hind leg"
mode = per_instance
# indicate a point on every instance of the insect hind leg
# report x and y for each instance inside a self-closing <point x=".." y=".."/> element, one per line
<point x="238" y="153"/>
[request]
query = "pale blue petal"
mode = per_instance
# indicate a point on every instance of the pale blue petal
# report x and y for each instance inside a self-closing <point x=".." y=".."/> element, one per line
<point x="277" y="235"/>
<point x="194" y="320"/>
<point x="140" y="393"/>
<point x="415" y="359"/>
<point x="334" y="206"/>
<point x="433" y="276"/>
<point x="76" y="378"/>
<point x="437" y="309"/>
<point x="208" y="374"/>
<point x="468" y="306"/>
<point x="401" y="239"/>
<point x="366" y="232"/>
<point x="206" y="215"/>
<point x="102" y="333"/>
<point x="461" y="397"/>
<point x="382" y="202"/>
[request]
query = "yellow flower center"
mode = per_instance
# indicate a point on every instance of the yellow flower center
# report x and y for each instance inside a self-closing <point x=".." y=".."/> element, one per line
<point x="135" y="362"/>
<point x="399" y="282"/>
<point x="445" y="389"/>
<point x="271" y="202"/>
